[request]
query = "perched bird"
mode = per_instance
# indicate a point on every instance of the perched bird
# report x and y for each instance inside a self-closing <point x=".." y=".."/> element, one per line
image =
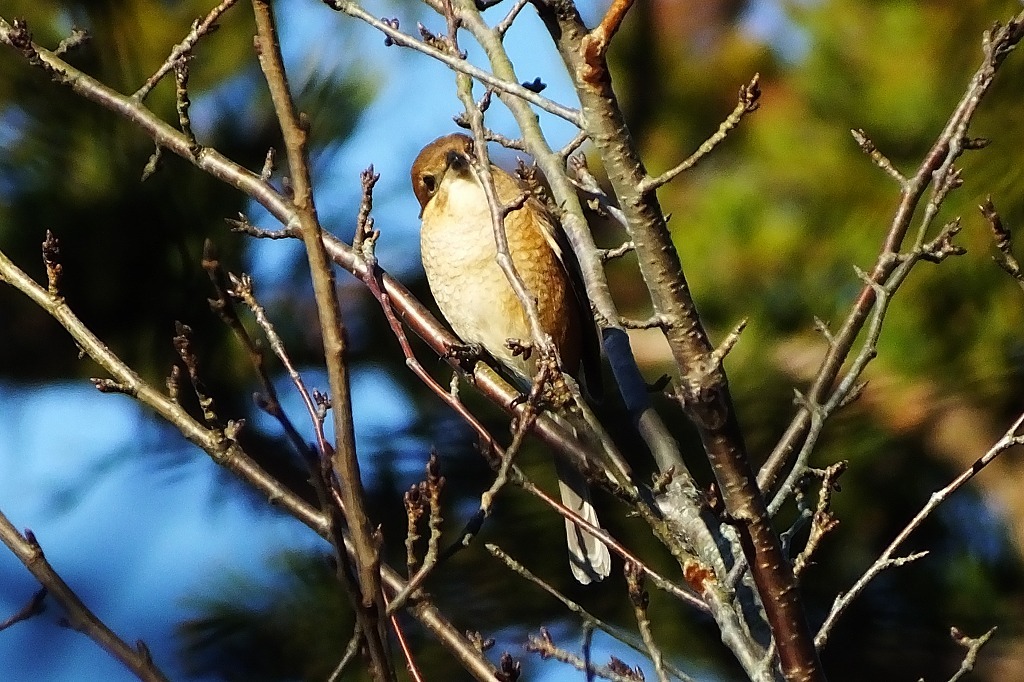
<point x="459" y="254"/>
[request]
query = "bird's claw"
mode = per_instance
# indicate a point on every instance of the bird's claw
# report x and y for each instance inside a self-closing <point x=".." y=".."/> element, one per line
<point x="464" y="352"/>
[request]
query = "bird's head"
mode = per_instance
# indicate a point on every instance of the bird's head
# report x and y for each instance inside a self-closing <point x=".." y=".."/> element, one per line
<point x="448" y="154"/>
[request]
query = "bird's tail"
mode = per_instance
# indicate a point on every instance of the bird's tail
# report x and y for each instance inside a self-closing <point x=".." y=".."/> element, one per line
<point x="589" y="558"/>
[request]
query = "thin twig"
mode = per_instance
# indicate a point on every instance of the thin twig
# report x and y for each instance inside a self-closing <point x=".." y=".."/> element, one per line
<point x="973" y="646"/>
<point x="822" y="522"/>
<point x="850" y="384"/>
<point x="617" y="671"/>
<point x="199" y="29"/>
<point x="455" y="63"/>
<point x="502" y="27"/>
<point x="35" y="606"/>
<point x="936" y="166"/>
<point x="589" y="620"/>
<point x="1009" y="439"/>
<point x="223" y="305"/>
<point x="242" y="289"/>
<point x="877" y="157"/>
<point x="229" y="454"/>
<point x="1004" y="242"/>
<point x="351" y="649"/>
<point x="749" y="101"/>
<point x="641" y="600"/>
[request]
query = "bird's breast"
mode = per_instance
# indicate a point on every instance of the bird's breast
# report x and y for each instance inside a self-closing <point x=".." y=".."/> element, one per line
<point x="460" y="260"/>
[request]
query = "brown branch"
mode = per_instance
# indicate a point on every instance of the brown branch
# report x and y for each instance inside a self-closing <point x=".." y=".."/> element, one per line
<point x="973" y="646"/>
<point x="79" y="617"/>
<point x="600" y="38"/>
<point x="749" y="101"/>
<point x="35" y="606"/>
<point x="223" y="305"/>
<point x="822" y="522"/>
<point x="877" y="157"/>
<point x="505" y="24"/>
<point x="350" y="655"/>
<point x="369" y="606"/>
<point x="183" y="104"/>
<point x="242" y="289"/>
<point x="410" y="662"/>
<point x="1004" y="242"/>
<point x="703" y="384"/>
<point x="641" y="601"/>
<point x="849" y="385"/>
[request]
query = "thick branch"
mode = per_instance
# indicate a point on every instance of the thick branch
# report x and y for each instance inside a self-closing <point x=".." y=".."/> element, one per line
<point x="703" y="385"/>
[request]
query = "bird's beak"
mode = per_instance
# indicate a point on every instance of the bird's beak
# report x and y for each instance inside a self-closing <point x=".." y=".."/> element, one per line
<point x="457" y="162"/>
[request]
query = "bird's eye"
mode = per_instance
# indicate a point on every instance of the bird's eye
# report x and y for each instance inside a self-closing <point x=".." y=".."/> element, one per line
<point x="430" y="183"/>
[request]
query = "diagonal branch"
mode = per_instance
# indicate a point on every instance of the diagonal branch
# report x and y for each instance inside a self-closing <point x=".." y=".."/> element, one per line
<point x="353" y="9"/>
<point x="703" y="389"/>
<point x="1010" y="439"/>
<point x="80" y="618"/>
<point x="408" y="307"/>
<point x="229" y="454"/>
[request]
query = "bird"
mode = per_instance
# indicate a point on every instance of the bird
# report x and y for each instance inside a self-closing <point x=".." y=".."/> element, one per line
<point x="459" y="254"/>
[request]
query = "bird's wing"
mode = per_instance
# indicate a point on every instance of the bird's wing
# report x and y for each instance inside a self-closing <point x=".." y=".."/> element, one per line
<point x="590" y="351"/>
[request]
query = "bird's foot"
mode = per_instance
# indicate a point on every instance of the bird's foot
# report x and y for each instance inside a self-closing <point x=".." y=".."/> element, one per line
<point x="464" y="353"/>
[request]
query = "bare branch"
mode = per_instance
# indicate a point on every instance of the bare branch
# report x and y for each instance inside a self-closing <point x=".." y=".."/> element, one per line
<point x="35" y="606"/>
<point x="505" y="24"/>
<point x="230" y="455"/>
<point x="822" y="523"/>
<point x="749" y="102"/>
<point x="183" y="103"/>
<point x="1011" y="438"/>
<point x="199" y="29"/>
<point x="879" y="159"/>
<point x="973" y="646"/>
<point x="616" y="671"/>
<point x="641" y="601"/>
<point x="936" y="168"/>
<point x="456" y="64"/>
<point x="368" y="597"/>
<point x="80" y="618"/>
<point x="589" y="620"/>
<point x="1004" y="242"/>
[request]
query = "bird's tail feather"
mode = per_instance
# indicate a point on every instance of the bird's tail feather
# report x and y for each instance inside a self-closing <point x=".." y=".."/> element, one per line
<point x="589" y="558"/>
